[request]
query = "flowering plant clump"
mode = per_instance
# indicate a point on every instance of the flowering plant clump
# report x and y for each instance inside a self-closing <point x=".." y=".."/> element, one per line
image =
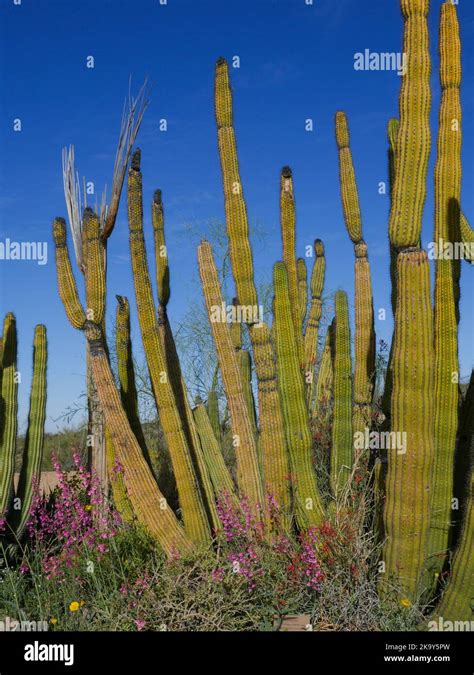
<point x="251" y="552"/>
<point x="75" y="516"/>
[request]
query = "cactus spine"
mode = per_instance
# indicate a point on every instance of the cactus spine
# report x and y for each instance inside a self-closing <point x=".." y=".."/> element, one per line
<point x="342" y="438"/>
<point x="248" y="474"/>
<point x="307" y="501"/>
<point x="272" y="432"/>
<point x="446" y="292"/>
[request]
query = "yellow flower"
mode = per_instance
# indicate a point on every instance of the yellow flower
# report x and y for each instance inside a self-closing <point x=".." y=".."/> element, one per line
<point x="74" y="606"/>
<point x="405" y="602"/>
<point x="88" y="507"/>
<point x="53" y="621"/>
<point x="82" y="603"/>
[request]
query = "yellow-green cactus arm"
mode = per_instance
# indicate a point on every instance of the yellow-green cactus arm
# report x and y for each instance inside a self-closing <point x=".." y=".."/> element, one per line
<point x="288" y="238"/>
<point x="307" y="500"/>
<point x="321" y="410"/>
<point x="446" y="292"/>
<point x="302" y="288"/>
<point x="66" y="281"/>
<point x="161" y="252"/>
<point x="9" y="421"/>
<point x="410" y="462"/>
<point x="272" y="435"/>
<point x="173" y="367"/>
<point x="314" y="317"/>
<point x="467" y="237"/>
<point x="34" y="440"/>
<point x="95" y="268"/>
<point x="218" y="471"/>
<point x="192" y="505"/>
<point x="414" y="136"/>
<point x="364" y="348"/>
<point x="248" y="475"/>
<point x="235" y="207"/>
<point x="342" y="438"/>
<point x="349" y="194"/>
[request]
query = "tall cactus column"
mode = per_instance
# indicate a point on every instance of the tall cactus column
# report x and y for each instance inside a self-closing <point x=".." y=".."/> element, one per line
<point x="173" y="366"/>
<point x="272" y="432"/>
<point x="9" y="422"/>
<point x="408" y="481"/>
<point x="307" y="501"/>
<point x="446" y="293"/>
<point x="342" y="437"/>
<point x="314" y="317"/>
<point x="364" y="312"/>
<point x="179" y="442"/>
<point x="249" y="479"/>
<point x="34" y="440"/>
<point x="288" y="237"/>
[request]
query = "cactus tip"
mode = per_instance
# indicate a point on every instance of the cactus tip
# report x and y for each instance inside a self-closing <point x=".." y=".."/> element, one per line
<point x="136" y="159"/>
<point x="157" y="196"/>
<point x="286" y="172"/>
<point x="221" y="61"/>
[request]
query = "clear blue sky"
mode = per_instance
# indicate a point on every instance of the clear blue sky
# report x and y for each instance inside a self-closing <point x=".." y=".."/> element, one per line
<point x="296" y="62"/>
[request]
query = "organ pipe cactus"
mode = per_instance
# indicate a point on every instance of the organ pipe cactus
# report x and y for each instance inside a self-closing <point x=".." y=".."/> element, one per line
<point x="218" y="471"/>
<point x="414" y="136"/>
<point x="173" y="367"/>
<point x="446" y="291"/>
<point x="307" y="501"/>
<point x="302" y="288"/>
<point x="409" y="475"/>
<point x="272" y="432"/>
<point x="342" y="438"/>
<point x="213" y="412"/>
<point x="408" y="480"/>
<point x="467" y="237"/>
<point x="315" y="311"/>
<point x="364" y="311"/>
<point x="244" y="442"/>
<point x="147" y="501"/>
<point x="324" y="384"/>
<point x="9" y="412"/>
<point x="172" y="417"/>
<point x="16" y="505"/>
<point x="288" y="238"/>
